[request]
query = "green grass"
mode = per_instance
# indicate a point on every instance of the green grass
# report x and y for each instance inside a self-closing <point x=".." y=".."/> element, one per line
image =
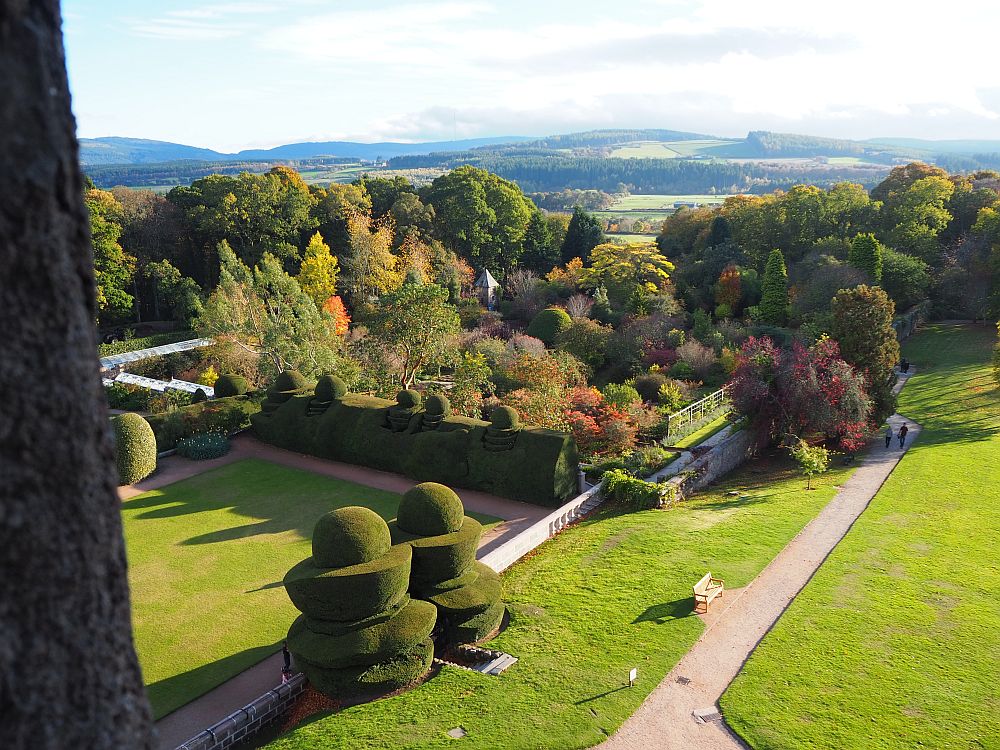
<point x="206" y="557"/>
<point x="895" y="643"/>
<point x="663" y="202"/>
<point x="701" y="435"/>
<point x="609" y="594"/>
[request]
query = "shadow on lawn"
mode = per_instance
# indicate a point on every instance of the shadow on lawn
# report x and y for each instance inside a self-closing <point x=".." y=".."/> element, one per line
<point x="599" y="695"/>
<point x="664" y="613"/>
<point x="171" y="693"/>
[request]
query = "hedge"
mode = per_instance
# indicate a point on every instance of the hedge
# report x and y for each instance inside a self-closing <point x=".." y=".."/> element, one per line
<point x="442" y="557"/>
<point x="478" y="627"/>
<point x="231" y="385"/>
<point x="638" y="494"/>
<point x="429" y="509"/>
<point x="365" y="646"/>
<point x="203" y="446"/>
<point x="400" y="670"/>
<point x="135" y="448"/>
<point x="352" y="593"/>
<point x="330" y="387"/>
<point x="548" y="324"/>
<point x="224" y="415"/>
<point x="539" y="466"/>
<point x="349" y="536"/>
<point x="470" y="599"/>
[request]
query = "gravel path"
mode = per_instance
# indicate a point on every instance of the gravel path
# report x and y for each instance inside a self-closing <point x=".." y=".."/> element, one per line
<point x="668" y="717"/>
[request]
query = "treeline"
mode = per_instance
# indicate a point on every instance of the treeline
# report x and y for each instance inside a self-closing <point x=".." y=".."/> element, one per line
<point x="669" y="176"/>
<point x="920" y="233"/>
<point x="187" y="171"/>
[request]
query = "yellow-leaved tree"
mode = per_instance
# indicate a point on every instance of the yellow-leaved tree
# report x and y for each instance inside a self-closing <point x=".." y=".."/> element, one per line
<point x="318" y="272"/>
<point x="625" y="269"/>
<point x="372" y="268"/>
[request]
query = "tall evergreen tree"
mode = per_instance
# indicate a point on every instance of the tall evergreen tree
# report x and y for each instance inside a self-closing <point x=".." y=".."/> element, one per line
<point x="583" y="235"/>
<point x="773" y="307"/>
<point x="866" y="254"/>
<point x="862" y="325"/>
<point x="540" y="251"/>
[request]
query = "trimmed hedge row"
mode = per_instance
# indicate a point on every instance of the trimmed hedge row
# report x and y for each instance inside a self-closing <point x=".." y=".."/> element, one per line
<point x="530" y="464"/>
<point x="135" y="448"/>
<point x="400" y="670"/>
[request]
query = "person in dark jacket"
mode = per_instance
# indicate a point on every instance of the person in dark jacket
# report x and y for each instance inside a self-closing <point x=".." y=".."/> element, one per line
<point x="902" y="434"/>
<point x="286" y="656"/>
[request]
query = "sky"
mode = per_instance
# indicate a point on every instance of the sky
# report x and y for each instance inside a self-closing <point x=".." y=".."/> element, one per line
<point x="233" y="75"/>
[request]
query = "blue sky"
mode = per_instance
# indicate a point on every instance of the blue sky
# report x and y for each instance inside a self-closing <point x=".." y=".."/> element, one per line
<point x="232" y="75"/>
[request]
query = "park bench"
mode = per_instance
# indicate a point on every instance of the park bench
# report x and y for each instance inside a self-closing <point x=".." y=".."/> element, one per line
<point x="705" y="591"/>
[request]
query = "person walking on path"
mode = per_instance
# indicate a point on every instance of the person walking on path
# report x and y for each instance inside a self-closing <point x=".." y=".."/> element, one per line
<point x="888" y="435"/>
<point x="902" y="434"/>
<point x="286" y="656"/>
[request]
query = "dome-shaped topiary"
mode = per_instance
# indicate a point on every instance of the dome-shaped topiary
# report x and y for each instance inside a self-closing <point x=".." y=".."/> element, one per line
<point x="504" y="418"/>
<point x="230" y="385"/>
<point x="548" y="324"/>
<point x="135" y="448"/>
<point x="330" y="387"/>
<point x="437" y="405"/>
<point x="349" y="536"/>
<point x="198" y="396"/>
<point x="408" y="399"/>
<point x="289" y="380"/>
<point x="430" y="509"/>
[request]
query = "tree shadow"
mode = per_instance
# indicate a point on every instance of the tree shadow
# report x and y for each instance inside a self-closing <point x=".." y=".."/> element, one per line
<point x="664" y="613"/>
<point x="171" y="693"/>
<point x="742" y="501"/>
<point x="600" y="695"/>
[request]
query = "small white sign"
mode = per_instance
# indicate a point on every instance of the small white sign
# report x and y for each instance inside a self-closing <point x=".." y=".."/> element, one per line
<point x="633" y="676"/>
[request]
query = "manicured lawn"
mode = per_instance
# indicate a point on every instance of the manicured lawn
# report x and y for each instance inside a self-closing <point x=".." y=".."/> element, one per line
<point x="895" y="643"/>
<point x="699" y="436"/>
<point x="600" y="598"/>
<point x="206" y="557"/>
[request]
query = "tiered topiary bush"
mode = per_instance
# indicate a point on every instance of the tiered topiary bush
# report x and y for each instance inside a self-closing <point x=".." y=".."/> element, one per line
<point x="135" y="448"/>
<point x="400" y="416"/>
<point x="329" y="388"/>
<point x="548" y="324"/>
<point x="286" y="385"/>
<point x="230" y="385"/>
<point x="502" y="432"/>
<point x="436" y="408"/>
<point x="359" y="630"/>
<point x="431" y="519"/>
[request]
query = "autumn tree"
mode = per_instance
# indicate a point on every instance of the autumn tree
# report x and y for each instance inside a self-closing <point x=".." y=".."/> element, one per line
<point x="370" y="266"/>
<point x="624" y="269"/>
<point x="812" y="459"/>
<point x="415" y="323"/>
<point x="114" y="269"/>
<point x="340" y="319"/>
<point x="265" y="312"/>
<point x="866" y="255"/>
<point x="862" y="325"/>
<point x="69" y="670"/>
<point x="729" y="289"/>
<point x="773" y="307"/>
<point x="318" y="271"/>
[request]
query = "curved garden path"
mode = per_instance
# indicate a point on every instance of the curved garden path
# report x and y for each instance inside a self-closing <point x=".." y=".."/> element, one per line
<point x="669" y="717"/>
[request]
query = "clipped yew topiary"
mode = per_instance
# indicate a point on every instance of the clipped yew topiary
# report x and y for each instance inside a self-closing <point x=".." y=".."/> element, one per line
<point x="501" y="435"/>
<point x="231" y="385"/>
<point x="198" y="396"/>
<point x="445" y="571"/>
<point x="135" y="448"/>
<point x="359" y="630"/>
<point x="407" y="406"/>
<point x="548" y="324"/>
<point x="330" y="387"/>
<point x="436" y="408"/>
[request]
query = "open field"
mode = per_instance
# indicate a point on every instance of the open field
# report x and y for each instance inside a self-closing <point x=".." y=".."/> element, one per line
<point x="632" y="238"/>
<point x="662" y="202"/>
<point x="206" y="557"/>
<point x="895" y="643"/>
<point x="609" y="594"/>
<point x="670" y="149"/>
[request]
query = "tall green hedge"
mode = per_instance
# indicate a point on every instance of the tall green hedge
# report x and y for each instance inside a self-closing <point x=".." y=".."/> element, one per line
<point x="540" y="467"/>
<point x="548" y="324"/>
<point x="135" y="448"/>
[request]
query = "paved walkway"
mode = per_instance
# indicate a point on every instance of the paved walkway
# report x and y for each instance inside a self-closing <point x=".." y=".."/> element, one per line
<point x="238" y="691"/>
<point x="667" y="719"/>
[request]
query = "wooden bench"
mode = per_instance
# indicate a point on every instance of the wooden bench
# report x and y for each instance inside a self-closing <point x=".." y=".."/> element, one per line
<point x="705" y="591"/>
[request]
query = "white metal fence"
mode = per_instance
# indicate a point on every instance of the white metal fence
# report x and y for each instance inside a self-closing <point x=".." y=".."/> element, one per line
<point x="713" y="405"/>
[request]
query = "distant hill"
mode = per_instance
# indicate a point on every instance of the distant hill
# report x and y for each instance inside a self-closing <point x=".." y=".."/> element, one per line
<point x="940" y="147"/>
<point x="116" y="150"/>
